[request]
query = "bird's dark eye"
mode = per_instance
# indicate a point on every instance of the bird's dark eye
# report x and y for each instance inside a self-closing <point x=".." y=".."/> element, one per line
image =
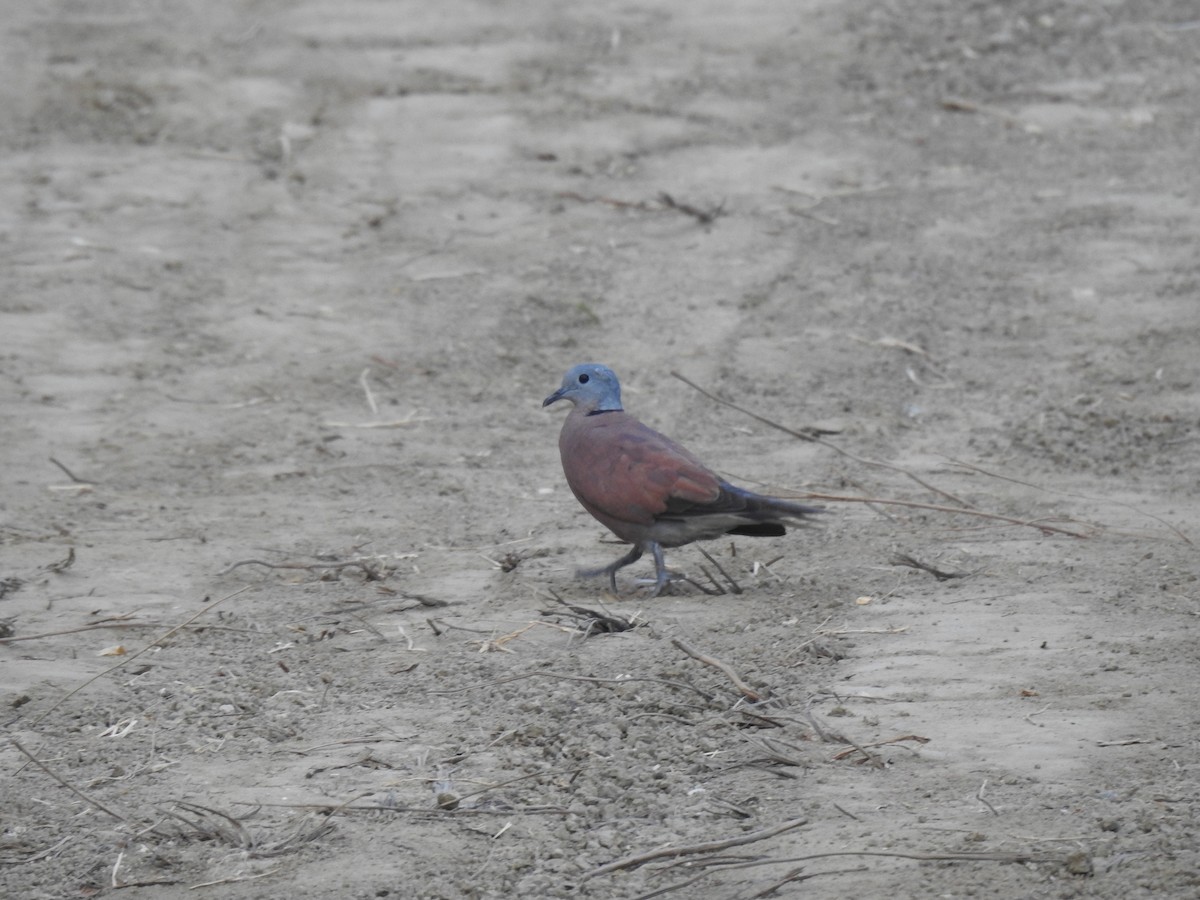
<point x="584" y="379"/>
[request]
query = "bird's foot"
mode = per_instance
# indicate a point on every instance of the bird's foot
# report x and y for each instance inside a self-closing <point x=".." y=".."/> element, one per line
<point x="596" y="573"/>
<point x="665" y="586"/>
<point x="611" y="569"/>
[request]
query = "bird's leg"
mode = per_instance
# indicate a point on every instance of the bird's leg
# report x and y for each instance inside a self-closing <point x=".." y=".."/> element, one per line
<point x="611" y="570"/>
<point x="661" y="577"/>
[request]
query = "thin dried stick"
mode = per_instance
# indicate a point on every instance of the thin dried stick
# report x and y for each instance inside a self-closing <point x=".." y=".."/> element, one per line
<point x="903" y="559"/>
<point x="717" y="590"/>
<point x="703" y="216"/>
<point x="500" y="784"/>
<point x="641" y="205"/>
<point x="91" y="801"/>
<point x="907" y="737"/>
<point x="672" y="887"/>
<point x="1038" y="487"/>
<point x="348" y="807"/>
<point x="678" y="684"/>
<point x="362" y="380"/>
<point x="370" y="570"/>
<point x="236" y="834"/>
<point x="737" y="589"/>
<point x="914" y="504"/>
<point x="231" y="880"/>
<point x="796" y="874"/>
<point x="957" y="104"/>
<point x="100" y="626"/>
<point x="948" y="856"/>
<point x="632" y="862"/>
<point x="867" y="757"/>
<point x="75" y="478"/>
<point x="824" y="443"/>
<point x="979" y="796"/>
<point x="746" y="691"/>
<point x="132" y="656"/>
<point x="597" y="622"/>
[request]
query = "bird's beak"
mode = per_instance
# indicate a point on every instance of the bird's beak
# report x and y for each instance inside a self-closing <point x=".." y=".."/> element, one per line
<point x="554" y="398"/>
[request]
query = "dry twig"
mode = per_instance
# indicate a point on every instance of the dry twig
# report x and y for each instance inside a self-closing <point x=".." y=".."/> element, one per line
<point x="813" y="435"/>
<point x="371" y="568"/>
<point x="639" y="205"/>
<point x="1043" y="527"/>
<point x="564" y="677"/>
<point x="632" y="862"/>
<point x="132" y="656"/>
<point x="75" y="478"/>
<point x="903" y="559"/>
<point x="734" y="586"/>
<point x="703" y="216"/>
<point x="63" y="564"/>
<point x="856" y="748"/>
<point x="1038" y="487"/>
<point x="595" y="622"/>
<point x="90" y="801"/>
<point x="362" y="380"/>
<point x="231" y="880"/>
<point x="979" y="796"/>
<point x="665" y="200"/>
<point x="99" y="626"/>
<point x="746" y="691"/>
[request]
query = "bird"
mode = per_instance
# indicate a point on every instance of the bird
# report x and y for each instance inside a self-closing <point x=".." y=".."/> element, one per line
<point x="645" y="488"/>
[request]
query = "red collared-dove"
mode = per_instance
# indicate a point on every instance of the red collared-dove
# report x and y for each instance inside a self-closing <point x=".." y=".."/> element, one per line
<point x="644" y="487"/>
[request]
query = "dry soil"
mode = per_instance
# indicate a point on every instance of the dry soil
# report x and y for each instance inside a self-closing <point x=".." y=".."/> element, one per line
<point x="284" y="285"/>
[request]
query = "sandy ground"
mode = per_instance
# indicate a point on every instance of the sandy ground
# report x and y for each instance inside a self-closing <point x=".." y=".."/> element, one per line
<point x="287" y="282"/>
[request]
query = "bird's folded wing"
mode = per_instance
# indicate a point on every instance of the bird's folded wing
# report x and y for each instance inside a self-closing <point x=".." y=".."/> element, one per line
<point x="630" y="472"/>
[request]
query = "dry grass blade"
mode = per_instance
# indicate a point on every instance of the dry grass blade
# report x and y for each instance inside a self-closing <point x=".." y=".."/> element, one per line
<point x="640" y="205"/>
<point x="672" y="887"/>
<point x="715" y="591"/>
<point x="371" y="568"/>
<point x="780" y="752"/>
<point x="1043" y="527"/>
<point x="594" y="621"/>
<point x="703" y="216"/>
<point x="75" y="478"/>
<point x="733" y="585"/>
<point x="640" y="859"/>
<point x="565" y="677"/>
<point x="915" y="738"/>
<point x="812" y="435"/>
<point x="310" y="828"/>
<point x="964" y="507"/>
<point x="746" y="691"/>
<point x="132" y="656"/>
<point x="63" y="564"/>
<point x="212" y="824"/>
<point x="903" y="559"/>
<point x="231" y="880"/>
<point x="91" y="801"/>
<point x="796" y="874"/>
<point x="947" y="856"/>
<point x="1038" y="487"/>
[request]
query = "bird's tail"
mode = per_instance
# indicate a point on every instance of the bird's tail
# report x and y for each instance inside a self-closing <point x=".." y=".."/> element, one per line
<point x="761" y="509"/>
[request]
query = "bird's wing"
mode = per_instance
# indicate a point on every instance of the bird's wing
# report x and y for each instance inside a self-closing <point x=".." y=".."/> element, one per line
<point x="631" y="473"/>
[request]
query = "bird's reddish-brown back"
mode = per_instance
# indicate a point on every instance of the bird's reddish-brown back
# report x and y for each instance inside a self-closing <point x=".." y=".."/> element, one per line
<point x="627" y="471"/>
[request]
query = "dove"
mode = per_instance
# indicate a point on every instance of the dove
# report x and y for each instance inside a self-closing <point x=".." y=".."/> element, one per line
<point x="645" y="488"/>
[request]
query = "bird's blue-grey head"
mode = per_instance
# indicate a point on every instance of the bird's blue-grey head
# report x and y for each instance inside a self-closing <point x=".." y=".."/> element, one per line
<point x="591" y="387"/>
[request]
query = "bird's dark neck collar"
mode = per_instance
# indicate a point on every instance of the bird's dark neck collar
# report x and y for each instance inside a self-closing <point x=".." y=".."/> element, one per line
<point x="600" y="412"/>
